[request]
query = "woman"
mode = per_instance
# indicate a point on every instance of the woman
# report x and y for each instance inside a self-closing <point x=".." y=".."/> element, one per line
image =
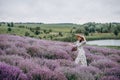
<point x="81" y="58"/>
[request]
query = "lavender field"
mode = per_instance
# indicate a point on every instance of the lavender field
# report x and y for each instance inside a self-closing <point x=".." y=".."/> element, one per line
<point x="25" y="58"/>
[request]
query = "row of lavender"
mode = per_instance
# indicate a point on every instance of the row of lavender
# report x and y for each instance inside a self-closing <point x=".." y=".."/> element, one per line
<point x="24" y="58"/>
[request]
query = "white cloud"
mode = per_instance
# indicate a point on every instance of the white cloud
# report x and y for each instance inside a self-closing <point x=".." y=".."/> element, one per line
<point x="54" y="11"/>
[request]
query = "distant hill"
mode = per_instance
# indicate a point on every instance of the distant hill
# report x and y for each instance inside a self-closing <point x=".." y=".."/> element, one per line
<point x="62" y="31"/>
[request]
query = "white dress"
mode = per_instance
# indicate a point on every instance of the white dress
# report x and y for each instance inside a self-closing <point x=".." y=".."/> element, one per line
<point x="81" y="58"/>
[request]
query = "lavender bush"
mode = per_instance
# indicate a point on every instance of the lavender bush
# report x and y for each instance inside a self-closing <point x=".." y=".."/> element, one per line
<point x="11" y="59"/>
<point x="109" y="78"/>
<point x="66" y="63"/>
<point x="104" y="64"/>
<point x="114" y="57"/>
<point x="51" y="64"/>
<point x="2" y="52"/>
<point x="104" y="51"/>
<point x="25" y="58"/>
<point x="113" y="72"/>
<point x="45" y="74"/>
<point x="74" y="74"/>
<point x="27" y="65"/>
<point x="8" y="72"/>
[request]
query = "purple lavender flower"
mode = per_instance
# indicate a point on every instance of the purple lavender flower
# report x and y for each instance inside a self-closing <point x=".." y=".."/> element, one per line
<point x="2" y="52"/>
<point x="113" y="72"/>
<point x="27" y="65"/>
<point x="66" y="63"/>
<point x="104" y="63"/>
<point x="109" y="78"/>
<point x="4" y="45"/>
<point x="45" y="74"/>
<point x="75" y="74"/>
<point x="105" y="51"/>
<point x="8" y="72"/>
<point x="54" y="60"/>
<point x="11" y="59"/>
<point x="114" y="57"/>
<point x="51" y="64"/>
<point x="17" y="51"/>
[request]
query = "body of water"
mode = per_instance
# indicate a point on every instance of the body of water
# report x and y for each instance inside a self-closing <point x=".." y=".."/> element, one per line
<point x="104" y="42"/>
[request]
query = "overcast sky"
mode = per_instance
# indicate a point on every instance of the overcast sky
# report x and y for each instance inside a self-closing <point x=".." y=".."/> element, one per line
<point x="60" y="11"/>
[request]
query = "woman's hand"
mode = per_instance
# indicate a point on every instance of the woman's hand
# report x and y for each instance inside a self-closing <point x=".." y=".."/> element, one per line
<point x="84" y="38"/>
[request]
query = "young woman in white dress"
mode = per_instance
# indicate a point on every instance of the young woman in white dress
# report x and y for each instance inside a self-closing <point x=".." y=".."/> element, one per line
<point x="81" y="58"/>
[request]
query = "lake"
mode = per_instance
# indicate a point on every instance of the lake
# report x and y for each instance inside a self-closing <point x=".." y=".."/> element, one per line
<point x="110" y="42"/>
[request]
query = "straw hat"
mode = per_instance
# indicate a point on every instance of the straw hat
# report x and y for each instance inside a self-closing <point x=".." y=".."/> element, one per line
<point x="78" y="35"/>
<point x="81" y="36"/>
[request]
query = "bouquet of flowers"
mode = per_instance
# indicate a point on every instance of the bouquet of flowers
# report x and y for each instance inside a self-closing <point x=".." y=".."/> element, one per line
<point x="74" y="48"/>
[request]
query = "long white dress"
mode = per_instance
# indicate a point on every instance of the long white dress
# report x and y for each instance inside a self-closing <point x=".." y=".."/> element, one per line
<point x="81" y="58"/>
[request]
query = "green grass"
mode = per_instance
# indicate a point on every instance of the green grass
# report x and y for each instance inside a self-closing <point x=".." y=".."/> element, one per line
<point x="113" y="47"/>
<point x="97" y="36"/>
<point x="56" y="28"/>
<point x="15" y="30"/>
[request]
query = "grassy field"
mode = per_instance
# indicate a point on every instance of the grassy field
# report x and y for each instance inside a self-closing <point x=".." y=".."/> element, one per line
<point x="113" y="47"/>
<point x="62" y="32"/>
<point x="54" y="27"/>
<point x="97" y="36"/>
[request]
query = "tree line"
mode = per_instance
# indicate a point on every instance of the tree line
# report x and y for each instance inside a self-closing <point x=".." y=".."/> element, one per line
<point x="88" y="28"/>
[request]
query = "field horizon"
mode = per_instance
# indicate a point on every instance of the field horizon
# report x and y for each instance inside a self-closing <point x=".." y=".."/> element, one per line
<point x="62" y="31"/>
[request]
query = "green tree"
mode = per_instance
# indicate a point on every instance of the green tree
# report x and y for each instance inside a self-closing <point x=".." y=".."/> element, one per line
<point x="50" y="30"/>
<point x="91" y="29"/>
<point x="98" y="28"/>
<point x="86" y="33"/>
<point x="105" y="30"/>
<point x="45" y="31"/>
<point x="118" y="28"/>
<point x="60" y="34"/>
<point x="101" y="29"/>
<point x="21" y="26"/>
<point x="27" y="33"/>
<point x="86" y="28"/>
<point x="51" y="37"/>
<point x="31" y="29"/>
<point x="37" y="32"/>
<point x="8" y="24"/>
<point x="12" y="24"/>
<point x="109" y="27"/>
<point x="116" y="32"/>
<point x="74" y="28"/>
<point x="78" y="30"/>
<point x="9" y="29"/>
<point x="71" y="31"/>
<point x="37" y="28"/>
